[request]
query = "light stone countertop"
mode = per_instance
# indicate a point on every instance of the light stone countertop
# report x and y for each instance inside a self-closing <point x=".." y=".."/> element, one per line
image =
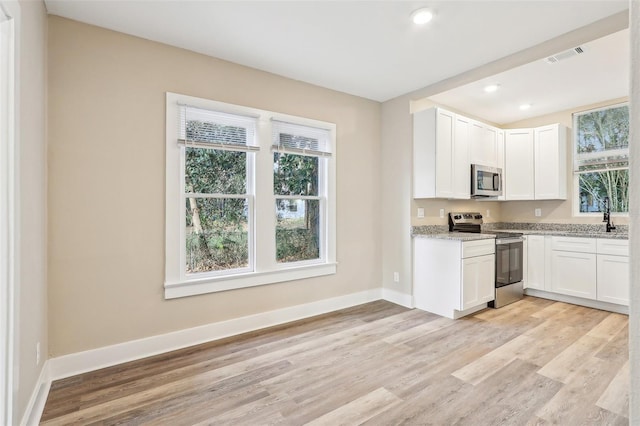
<point x="560" y="230"/>
<point x="459" y="236"/>
<point x="580" y="234"/>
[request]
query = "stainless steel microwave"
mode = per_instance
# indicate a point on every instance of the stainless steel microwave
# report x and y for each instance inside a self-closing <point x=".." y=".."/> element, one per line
<point x="486" y="181"/>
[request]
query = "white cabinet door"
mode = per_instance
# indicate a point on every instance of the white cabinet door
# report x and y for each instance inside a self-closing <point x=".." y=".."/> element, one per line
<point x="518" y="147"/>
<point x="573" y="273"/>
<point x="535" y="262"/>
<point x="613" y="279"/>
<point x="440" y="161"/>
<point x="550" y="159"/>
<point x="483" y="147"/>
<point x="478" y="285"/>
<point x="461" y="168"/>
<point x="444" y="153"/>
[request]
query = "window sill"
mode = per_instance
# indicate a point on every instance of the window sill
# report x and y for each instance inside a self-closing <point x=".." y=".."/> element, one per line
<point x="174" y="290"/>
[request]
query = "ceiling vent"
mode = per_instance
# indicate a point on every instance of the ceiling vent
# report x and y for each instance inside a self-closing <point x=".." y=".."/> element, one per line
<point x="565" y="55"/>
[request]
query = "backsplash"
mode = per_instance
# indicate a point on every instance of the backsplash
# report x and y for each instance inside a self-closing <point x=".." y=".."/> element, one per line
<point x="561" y="227"/>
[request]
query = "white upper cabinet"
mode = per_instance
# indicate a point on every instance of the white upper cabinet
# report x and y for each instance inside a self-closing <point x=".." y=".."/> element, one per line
<point x="483" y="144"/>
<point x="536" y="163"/>
<point x="445" y="144"/>
<point x="440" y="155"/>
<point x="519" y="164"/>
<point x="461" y="171"/>
<point x="550" y="159"/>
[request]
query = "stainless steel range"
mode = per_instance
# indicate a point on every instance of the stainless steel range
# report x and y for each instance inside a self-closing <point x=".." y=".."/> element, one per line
<point x="509" y="252"/>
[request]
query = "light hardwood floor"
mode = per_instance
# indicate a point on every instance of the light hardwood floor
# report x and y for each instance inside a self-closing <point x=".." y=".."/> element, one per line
<point x="534" y="362"/>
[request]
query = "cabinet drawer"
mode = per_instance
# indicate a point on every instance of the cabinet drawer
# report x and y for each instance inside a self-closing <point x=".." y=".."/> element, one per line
<point x="580" y="245"/>
<point x="613" y="247"/>
<point x="478" y="248"/>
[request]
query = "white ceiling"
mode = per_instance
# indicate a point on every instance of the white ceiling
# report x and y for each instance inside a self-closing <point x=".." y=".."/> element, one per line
<point x="600" y="73"/>
<point x="365" y="48"/>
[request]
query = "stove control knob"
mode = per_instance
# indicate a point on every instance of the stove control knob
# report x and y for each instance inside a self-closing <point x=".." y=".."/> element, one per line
<point x="457" y="217"/>
<point x="478" y="216"/>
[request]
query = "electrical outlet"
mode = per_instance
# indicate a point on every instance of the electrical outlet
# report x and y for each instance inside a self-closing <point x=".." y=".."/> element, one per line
<point x="488" y="213"/>
<point x="38" y="353"/>
<point x="538" y="212"/>
<point x="441" y="213"/>
<point x="420" y="212"/>
<point x="396" y="277"/>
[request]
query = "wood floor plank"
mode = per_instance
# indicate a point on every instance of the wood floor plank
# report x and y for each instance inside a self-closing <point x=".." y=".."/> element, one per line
<point x="550" y="310"/>
<point x="506" y="397"/>
<point x="419" y="331"/>
<point x="422" y="407"/>
<point x="534" y="362"/>
<point x="359" y="410"/>
<point x="577" y="399"/>
<point x="488" y="364"/>
<point x="617" y="349"/>
<point x="565" y="365"/>
<point x="610" y="326"/>
<point x="616" y="397"/>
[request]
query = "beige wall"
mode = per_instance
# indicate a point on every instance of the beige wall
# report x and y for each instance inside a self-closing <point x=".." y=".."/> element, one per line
<point x="556" y="211"/>
<point x="32" y="282"/>
<point x="106" y="185"/>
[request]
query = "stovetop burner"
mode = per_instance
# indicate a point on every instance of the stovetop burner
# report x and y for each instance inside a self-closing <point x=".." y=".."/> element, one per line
<point x="472" y="222"/>
<point x="465" y="222"/>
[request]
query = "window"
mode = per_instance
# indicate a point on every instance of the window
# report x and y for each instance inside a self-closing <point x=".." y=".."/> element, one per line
<point x="601" y="159"/>
<point x="250" y="197"/>
<point x="299" y="165"/>
<point x="218" y="190"/>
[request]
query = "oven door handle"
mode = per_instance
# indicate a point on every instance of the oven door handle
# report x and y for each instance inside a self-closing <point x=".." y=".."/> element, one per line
<point x="502" y="241"/>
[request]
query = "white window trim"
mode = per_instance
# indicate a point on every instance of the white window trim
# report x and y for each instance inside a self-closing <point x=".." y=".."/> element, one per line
<point x="576" y="184"/>
<point x="266" y="269"/>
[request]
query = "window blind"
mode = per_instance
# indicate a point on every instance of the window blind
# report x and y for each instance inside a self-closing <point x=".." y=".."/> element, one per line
<point x="611" y="159"/>
<point x="299" y="139"/>
<point x="202" y="128"/>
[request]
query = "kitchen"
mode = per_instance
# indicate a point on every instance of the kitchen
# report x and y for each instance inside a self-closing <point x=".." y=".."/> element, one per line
<point x="576" y="260"/>
<point x="536" y="190"/>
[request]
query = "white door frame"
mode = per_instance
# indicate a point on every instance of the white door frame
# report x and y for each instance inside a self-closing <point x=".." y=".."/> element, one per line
<point x="8" y="176"/>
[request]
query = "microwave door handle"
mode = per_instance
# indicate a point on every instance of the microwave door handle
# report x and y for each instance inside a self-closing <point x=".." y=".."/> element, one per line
<point x="496" y="181"/>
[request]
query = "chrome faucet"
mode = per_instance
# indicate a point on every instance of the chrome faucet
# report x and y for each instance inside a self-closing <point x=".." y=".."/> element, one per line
<point x="607" y="215"/>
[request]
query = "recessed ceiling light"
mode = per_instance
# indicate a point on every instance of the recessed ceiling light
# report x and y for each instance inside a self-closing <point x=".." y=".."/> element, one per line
<point x="491" y="88"/>
<point x="525" y="106"/>
<point x="421" y="16"/>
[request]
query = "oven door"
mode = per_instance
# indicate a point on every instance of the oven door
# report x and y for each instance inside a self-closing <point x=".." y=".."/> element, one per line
<point x="508" y="261"/>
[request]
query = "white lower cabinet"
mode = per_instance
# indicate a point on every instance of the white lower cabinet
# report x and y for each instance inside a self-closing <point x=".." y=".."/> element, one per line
<point x="573" y="273"/>
<point x="613" y="271"/>
<point x="535" y="262"/>
<point x="613" y="279"/>
<point x="588" y="268"/>
<point x="453" y="278"/>
<point x="478" y="284"/>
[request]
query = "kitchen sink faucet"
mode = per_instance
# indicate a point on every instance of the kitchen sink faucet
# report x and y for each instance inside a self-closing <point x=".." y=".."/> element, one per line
<point x="607" y="215"/>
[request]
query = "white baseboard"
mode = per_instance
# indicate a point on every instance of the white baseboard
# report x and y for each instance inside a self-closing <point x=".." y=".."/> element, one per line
<point x="605" y="306"/>
<point x="35" y="406"/>
<point x="94" y="359"/>
<point x="398" y="298"/>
